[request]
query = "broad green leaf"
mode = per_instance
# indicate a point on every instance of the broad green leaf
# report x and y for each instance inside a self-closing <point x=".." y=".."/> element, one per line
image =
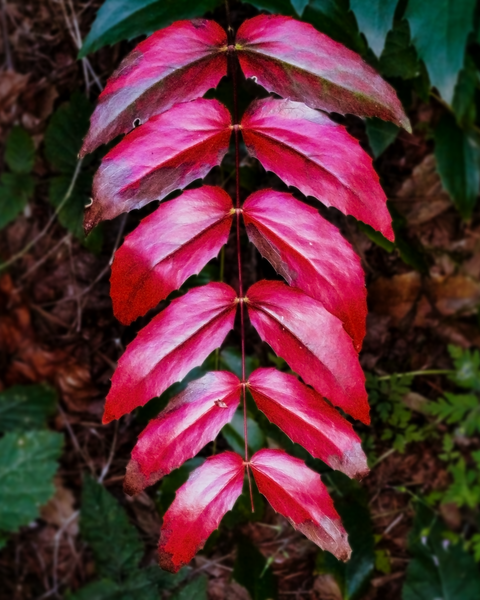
<point x="233" y="433"/>
<point x="15" y="191"/>
<point x="457" y="154"/>
<point x="252" y="571"/>
<point x="464" y="97"/>
<point x="196" y="589"/>
<point x="299" y="6"/>
<point x="65" y="133"/>
<point x="375" y="19"/>
<point x="380" y="135"/>
<point x="354" y="575"/>
<point x="19" y="151"/>
<point x="28" y="462"/>
<point x="71" y="213"/>
<point x="439" y="33"/>
<point x="25" y="407"/>
<point x="126" y="19"/>
<point x="399" y="58"/>
<point x="231" y="360"/>
<point x="439" y="569"/>
<point x="104" y="525"/>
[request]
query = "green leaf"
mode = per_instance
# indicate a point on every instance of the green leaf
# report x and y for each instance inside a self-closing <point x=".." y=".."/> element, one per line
<point x="380" y="135"/>
<point x="281" y="7"/>
<point x="104" y="525"/>
<point x="126" y="19"/>
<point x="467" y="365"/>
<point x="28" y="462"/>
<point x="439" y="33"/>
<point x="231" y="359"/>
<point x="15" y="191"/>
<point x="234" y="434"/>
<point x="353" y="576"/>
<point x="72" y="211"/>
<point x="252" y="571"/>
<point x="457" y="155"/>
<point x="464" y="97"/>
<point x="25" y="407"/>
<point x="299" y="6"/>
<point x="376" y="237"/>
<point x="375" y="19"/>
<point x="65" y="133"/>
<point x="19" y="151"/>
<point x="439" y="569"/>
<point x="399" y="58"/>
<point x="196" y="589"/>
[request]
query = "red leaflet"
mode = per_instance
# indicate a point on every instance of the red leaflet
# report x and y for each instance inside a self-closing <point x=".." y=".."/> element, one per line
<point x="198" y="508"/>
<point x="188" y="423"/>
<point x="166" y="153"/>
<point x="308" y="420"/>
<point x="309" y="151"/>
<point x="174" y="342"/>
<point x="176" y="64"/>
<point x="310" y="254"/>
<point x="170" y="245"/>
<point x="296" y="61"/>
<point x="297" y="493"/>
<point x="312" y="341"/>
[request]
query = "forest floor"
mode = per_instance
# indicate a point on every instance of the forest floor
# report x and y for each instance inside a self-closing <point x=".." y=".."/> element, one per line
<point x="57" y="326"/>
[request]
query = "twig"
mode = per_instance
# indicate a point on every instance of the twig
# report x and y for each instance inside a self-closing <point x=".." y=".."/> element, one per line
<point x="40" y="262"/>
<point x="107" y="465"/>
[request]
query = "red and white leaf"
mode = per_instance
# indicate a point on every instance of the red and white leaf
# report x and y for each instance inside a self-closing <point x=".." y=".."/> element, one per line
<point x="312" y="341"/>
<point x="170" y="245"/>
<point x="165" y="154"/>
<point x="172" y="344"/>
<point x="297" y="493"/>
<point x="191" y="420"/>
<point x="198" y="508"/>
<point x="296" y="61"/>
<point x="176" y="64"/>
<point x="308" y="420"/>
<point x="311" y="254"/>
<point x="306" y="149"/>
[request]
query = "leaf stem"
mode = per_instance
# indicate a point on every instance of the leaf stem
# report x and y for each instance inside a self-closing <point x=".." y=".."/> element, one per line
<point x="417" y="373"/>
<point x="233" y="67"/>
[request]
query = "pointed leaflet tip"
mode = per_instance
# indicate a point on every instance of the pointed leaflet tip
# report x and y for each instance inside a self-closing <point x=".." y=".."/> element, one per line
<point x="198" y="508"/>
<point x="176" y="64"/>
<point x="294" y="60"/>
<point x="297" y="493"/>
<point x="172" y="344"/>
<point x="173" y="243"/>
<point x="311" y="254"/>
<point x="308" y="420"/>
<point x="191" y="420"/>
<point x="163" y="155"/>
<point x="308" y="150"/>
<point x="312" y="341"/>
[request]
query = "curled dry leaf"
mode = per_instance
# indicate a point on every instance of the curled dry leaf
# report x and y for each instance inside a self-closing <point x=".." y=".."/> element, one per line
<point x="198" y="508"/>
<point x="297" y="493"/>
<point x="306" y="149"/>
<point x="191" y="420"/>
<point x="170" y="245"/>
<point x="172" y="344"/>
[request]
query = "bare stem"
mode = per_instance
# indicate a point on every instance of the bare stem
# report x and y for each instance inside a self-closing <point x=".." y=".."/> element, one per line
<point x="233" y="70"/>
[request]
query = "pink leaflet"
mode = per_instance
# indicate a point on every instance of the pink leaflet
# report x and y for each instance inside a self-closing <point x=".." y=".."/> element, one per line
<point x="198" y="508"/>
<point x="296" y="61"/>
<point x="309" y="151"/>
<point x="165" y="154"/>
<point x="174" y="342"/>
<point x="312" y="341"/>
<point x="297" y="493"/>
<point x="191" y="420"/>
<point x="176" y="64"/>
<point x="170" y="245"/>
<point x="310" y="254"/>
<point x="308" y="420"/>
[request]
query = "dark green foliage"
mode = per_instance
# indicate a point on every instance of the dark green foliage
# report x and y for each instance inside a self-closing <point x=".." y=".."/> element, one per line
<point x="399" y="58"/>
<point x="25" y="407"/>
<point x="380" y="135"/>
<point x="351" y="503"/>
<point x="457" y="154"/>
<point x="20" y="151"/>
<point x="234" y="434"/>
<point x="171" y="482"/>
<point x="253" y="572"/>
<point x="439" y="568"/>
<point x="197" y="588"/>
<point x="28" y="462"/>
<point x="463" y="104"/>
<point x="126" y="19"/>
<point x="375" y="19"/>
